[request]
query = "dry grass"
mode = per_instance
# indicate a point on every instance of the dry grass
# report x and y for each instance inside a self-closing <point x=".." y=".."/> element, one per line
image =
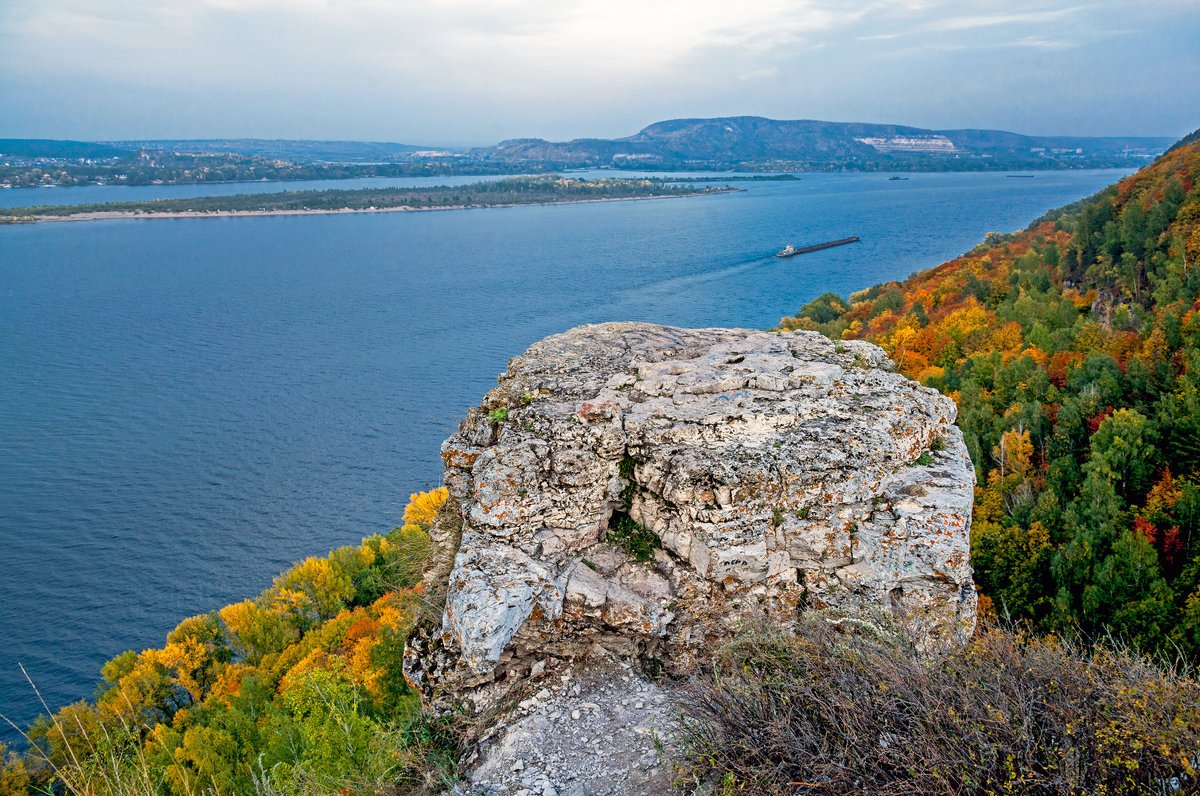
<point x="851" y="708"/>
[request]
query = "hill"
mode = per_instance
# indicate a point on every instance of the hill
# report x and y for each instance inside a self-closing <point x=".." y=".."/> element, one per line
<point x="754" y="142"/>
<point x="750" y="143"/>
<point x="1072" y="350"/>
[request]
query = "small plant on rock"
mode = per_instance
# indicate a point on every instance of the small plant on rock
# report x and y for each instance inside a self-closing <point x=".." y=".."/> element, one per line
<point x="633" y="537"/>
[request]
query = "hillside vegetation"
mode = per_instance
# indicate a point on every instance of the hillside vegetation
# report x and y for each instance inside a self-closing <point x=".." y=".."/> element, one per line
<point x="298" y="691"/>
<point x="846" y="705"/>
<point x="1073" y="352"/>
<point x="760" y="144"/>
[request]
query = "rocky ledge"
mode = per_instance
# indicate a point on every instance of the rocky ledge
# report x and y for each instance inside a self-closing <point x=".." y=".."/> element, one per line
<point x="634" y="492"/>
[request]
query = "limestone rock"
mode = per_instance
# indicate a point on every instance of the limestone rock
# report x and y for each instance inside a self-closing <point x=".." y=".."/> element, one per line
<point x="605" y="731"/>
<point x="755" y="475"/>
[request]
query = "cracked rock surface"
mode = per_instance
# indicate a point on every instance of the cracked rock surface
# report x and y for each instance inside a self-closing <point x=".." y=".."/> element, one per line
<point x="605" y="731"/>
<point x="637" y="491"/>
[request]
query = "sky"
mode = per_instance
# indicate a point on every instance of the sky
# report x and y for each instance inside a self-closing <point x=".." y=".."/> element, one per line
<point x="459" y="72"/>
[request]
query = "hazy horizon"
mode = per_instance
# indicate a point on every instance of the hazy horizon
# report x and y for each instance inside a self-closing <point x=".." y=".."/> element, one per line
<point x="488" y="143"/>
<point x="457" y="73"/>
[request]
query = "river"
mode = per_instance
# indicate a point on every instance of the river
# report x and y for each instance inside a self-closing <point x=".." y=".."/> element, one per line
<point x="190" y="405"/>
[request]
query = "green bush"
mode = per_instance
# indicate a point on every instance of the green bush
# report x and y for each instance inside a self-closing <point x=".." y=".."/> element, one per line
<point x="633" y="537"/>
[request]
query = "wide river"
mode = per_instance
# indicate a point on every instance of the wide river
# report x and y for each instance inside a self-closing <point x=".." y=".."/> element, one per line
<point x="188" y="406"/>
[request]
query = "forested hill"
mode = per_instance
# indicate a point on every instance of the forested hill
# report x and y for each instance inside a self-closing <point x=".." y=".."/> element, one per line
<point x="1073" y="351"/>
<point x="757" y="143"/>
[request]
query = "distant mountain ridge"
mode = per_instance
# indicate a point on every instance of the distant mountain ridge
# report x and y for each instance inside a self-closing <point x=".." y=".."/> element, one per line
<point x="750" y="143"/>
<point x="758" y="143"/>
<point x="293" y="150"/>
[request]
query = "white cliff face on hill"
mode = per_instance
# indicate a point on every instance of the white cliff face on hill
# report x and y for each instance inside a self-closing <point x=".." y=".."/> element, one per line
<point x="637" y="491"/>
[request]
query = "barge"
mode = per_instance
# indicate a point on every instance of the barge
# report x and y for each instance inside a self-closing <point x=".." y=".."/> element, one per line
<point x="792" y="251"/>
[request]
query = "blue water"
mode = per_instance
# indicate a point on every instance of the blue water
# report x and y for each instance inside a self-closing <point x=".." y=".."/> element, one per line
<point x="187" y="406"/>
<point x="88" y="194"/>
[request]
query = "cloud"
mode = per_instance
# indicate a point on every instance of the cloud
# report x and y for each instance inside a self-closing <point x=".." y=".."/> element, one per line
<point x="762" y="73"/>
<point x="452" y="52"/>
<point x="971" y="22"/>
<point x="468" y="70"/>
<point x="445" y="30"/>
<point x="1045" y="43"/>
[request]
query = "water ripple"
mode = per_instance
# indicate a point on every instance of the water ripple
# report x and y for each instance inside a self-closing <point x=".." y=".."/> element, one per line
<point x="188" y="406"/>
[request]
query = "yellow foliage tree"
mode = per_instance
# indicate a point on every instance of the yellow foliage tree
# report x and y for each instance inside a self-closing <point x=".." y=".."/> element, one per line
<point x="1155" y="348"/>
<point x="423" y="506"/>
<point x="1014" y="454"/>
<point x="256" y="630"/>
<point x="313" y="591"/>
<point x="1010" y="562"/>
<point x="1008" y="339"/>
<point x="967" y="325"/>
<point x="14" y="777"/>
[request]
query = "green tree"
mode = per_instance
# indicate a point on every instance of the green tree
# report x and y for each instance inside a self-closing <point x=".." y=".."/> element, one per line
<point x="824" y="308"/>
<point x="1123" y="451"/>
<point x="1012" y="567"/>
<point x="1108" y="577"/>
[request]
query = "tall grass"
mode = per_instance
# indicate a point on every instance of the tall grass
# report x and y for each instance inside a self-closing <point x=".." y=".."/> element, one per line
<point x="113" y="761"/>
<point x="850" y="707"/>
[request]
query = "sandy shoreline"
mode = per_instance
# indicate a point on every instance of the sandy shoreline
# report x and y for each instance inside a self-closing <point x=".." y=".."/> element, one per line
<point x="104" y="215"/>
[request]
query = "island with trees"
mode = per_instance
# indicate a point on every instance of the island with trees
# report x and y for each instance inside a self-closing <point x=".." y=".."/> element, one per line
<point x="508" y="192"/>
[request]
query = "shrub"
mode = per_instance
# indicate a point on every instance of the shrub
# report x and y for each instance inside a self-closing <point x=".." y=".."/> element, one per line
<point x="848" y="706"/>
<point x="633" y="537"/>
<point x="14" y="779"/>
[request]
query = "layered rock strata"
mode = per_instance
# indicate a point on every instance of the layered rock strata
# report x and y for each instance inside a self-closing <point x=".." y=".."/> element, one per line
<point x="643" y="490"/>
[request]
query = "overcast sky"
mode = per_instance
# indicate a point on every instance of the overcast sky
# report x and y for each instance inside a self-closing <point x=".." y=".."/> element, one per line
<point x="473" y="72"/>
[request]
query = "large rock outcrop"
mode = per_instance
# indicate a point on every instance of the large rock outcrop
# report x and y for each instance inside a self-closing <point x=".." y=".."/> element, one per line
<point x="640" y="490"/>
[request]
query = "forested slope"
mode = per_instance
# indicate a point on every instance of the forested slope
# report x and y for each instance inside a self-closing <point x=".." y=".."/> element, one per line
<point x="1073" y="351"/>
<point x="297" y="691"/>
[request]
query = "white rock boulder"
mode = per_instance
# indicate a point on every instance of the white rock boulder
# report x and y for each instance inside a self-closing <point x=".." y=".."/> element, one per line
<point x="642" y="490"/>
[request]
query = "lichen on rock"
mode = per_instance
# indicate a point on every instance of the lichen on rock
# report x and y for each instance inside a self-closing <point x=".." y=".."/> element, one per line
<point x="649" y="488"/>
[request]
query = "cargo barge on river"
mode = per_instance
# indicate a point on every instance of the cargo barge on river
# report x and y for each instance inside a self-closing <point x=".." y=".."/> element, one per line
<point x="792" y="251"/>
